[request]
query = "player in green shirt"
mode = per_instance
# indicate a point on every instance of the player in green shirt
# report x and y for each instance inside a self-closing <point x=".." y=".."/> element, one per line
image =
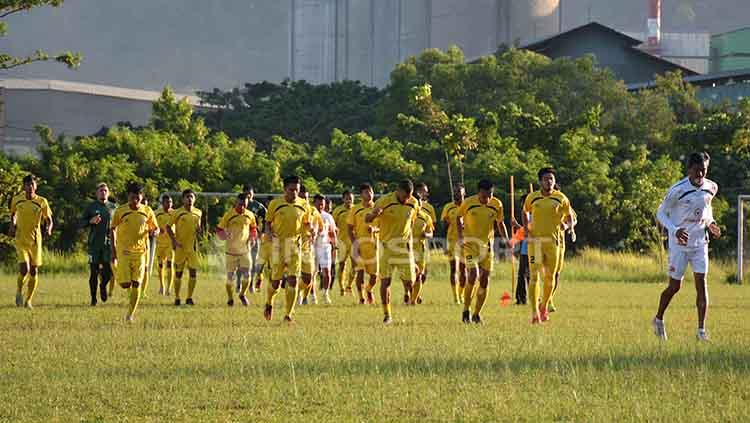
<point x="97" y="217"/>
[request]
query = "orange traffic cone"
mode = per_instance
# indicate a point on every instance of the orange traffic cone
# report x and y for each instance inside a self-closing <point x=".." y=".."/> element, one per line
<point x="505" y="300"/>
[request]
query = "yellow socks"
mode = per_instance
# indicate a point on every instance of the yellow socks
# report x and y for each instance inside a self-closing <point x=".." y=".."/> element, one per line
<point x="534" y="293"/>
<point x="191" y="286"/>
<point x="468" y="294"/>
<point x="387" y="309"/>
<point x="416" y="290"/>
<point x="271" y="294"/>
<point x="291" y="299"/>
<point x="245" y="285"/>
<point x="135" y="295"/>
<point x="177" y="287"/>
<point x="33" y="282"/>
<point x="161" y="278"/>
<point x="230" y="290"/>
<point x="481" y="298"/>
<point x="549" y="285"/>
<point x="454" y="289"/>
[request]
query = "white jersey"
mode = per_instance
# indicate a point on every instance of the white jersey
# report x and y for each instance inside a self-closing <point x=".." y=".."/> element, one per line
<point x="689" y="207"/>
<point x="324" y="238"/>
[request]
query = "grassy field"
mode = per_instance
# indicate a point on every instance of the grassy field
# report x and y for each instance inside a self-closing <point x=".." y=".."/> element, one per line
<point x="595" y="361"/>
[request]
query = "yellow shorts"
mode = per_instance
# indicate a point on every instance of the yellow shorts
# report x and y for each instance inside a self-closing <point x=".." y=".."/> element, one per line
<point x="30" y="254"/>
<point x="164" y="253"/>
<point x="420" y="257"/>
<point x="396" y="260"/>
<point x="561" y="258"/>
<point x="308" y="261"/>
<point x="235" y="262"/>
<point x="478" y="254"/>
<point x="367" y="259"/>
<point x="185" y="258"/>
<point x="131" y="267"/>
<point x="544" y="253"/>
<point x="285" y="258"/>
<point x="344" y="251"/>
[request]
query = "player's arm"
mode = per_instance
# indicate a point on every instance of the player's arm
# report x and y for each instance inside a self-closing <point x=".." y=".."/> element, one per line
<point x="713" y="229"/>
<point x="47" y="215"/>
<point x="663" y="216"/>
<point x="374" y="214"/>
<point x="172" y="237"/>
<point x="113" y="237"/>
<point x="220" y="231"/>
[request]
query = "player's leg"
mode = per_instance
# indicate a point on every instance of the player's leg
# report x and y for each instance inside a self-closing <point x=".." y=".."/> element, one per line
<point x="107" y="273"/>
<point x="699" y="263"/>
<point x="369" y="257"/>
<point x="523" y="279"/>
<point x="33" y="276"/>
<point x="193" y="272"/>
<point x="23" y="273"/>
<point x="416" y="289"/>
<point x="535" y="267"/>
<point x="170" y="275"/>
<point x="244" y="265"/>
<point x="485" y="269"/>
<point x="471" y="259"/>
<point x="678" y="261"/>
<point x="385" y="299"/>
<point x="550" y="257"/>
<point x="231" y="267"/>
<point x="93" y="277"/>
<point x="180" y="261"/>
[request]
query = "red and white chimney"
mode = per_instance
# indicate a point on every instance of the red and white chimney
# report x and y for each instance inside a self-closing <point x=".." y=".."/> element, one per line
<point x="653" y="25"/>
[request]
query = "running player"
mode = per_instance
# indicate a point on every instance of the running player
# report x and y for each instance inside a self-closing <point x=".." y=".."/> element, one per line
<point x="687" y="215"/>
<point x="186" y="222"/>
<point x="455" y="256"/>
<point x="131" y="226"/>
<point x="346" y="270"/>
<point x="364" y="244"/>
<point x="395" y="213"/>
<point x="288" y="217"/>
<point x="421" y="235"/>
<point x="476" y="220"/>
<point x="308" y="251"/>
<point x="164" y="251"/>
<point x="422" y="192"/>
<point x="238" y="228"/>
<point x="546" y="216"/>
<point x="325" y="245"/>
<point x="28" y="212"/>
<point x="98" y="217"/>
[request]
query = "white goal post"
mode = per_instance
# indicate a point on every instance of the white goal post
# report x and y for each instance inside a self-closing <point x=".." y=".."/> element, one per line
<point x="741" y="236"/>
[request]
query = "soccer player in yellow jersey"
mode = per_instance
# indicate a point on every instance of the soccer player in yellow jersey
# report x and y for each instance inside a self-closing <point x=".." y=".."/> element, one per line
<point x="422" y="192"/>
<point x="344" y="247"/>
<point x="238" y="228"/>
<point x="547" y="215"/>
<point x="476" y="221"/>
<point x="131" y="226"/>
<point x="308" y="251"/>
<point x="262" y="263"/>
<point x="28" y="211"/>
<point x="364" y="244"/>
<point x="164" y="251"/>
<point x="455" y="256"/>
<point x="184" y="231"/>
<point x="287" y="218"/>
<point x="395" y="213"/>
<point x="421" y="234"/>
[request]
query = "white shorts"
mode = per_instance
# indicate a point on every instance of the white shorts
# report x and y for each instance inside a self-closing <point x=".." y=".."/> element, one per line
<point x="323" y="257"/>
<point x="680" y="257"/>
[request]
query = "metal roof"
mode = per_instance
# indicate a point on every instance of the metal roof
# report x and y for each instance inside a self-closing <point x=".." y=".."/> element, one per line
<point x="90" y="89"/>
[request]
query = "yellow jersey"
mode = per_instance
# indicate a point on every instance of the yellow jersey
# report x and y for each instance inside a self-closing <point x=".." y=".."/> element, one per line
<point x="238" y="227"/>
<point x="316" y="223"/>
<point x="29" y="216"/>
<point x="448" y="216"/>
<point x="164" y="219"/>
<point x="397" y="218"/>
<point x="186" y="224"/>
<point x="429" y="209"/>
<point x="479" y="219"/>
<point x="132" y="227"/>
<point x="422" y="226"/>
<point x="547" y="213"/>
<point x="288" y="220"/>
<point x="356" y="218"/>
<point x="341" y="217"/>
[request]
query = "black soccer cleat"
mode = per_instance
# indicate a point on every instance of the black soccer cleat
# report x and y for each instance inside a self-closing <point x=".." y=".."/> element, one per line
<point x="189" y="301"/>
<point x="465" y="317"/>
<point x="476" y="319"/>
<point x="230" y="303"/>
<point x="177" y="301"/>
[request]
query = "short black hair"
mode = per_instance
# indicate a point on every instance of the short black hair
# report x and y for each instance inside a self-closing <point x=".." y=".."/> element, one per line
<point x="406" y="186"/>
<point x="289" y="180"/>
<point x="134" y="188"/>
<point x="345" y="193"/>
<point x="365" y="186"/>
<point x="545" y="170"/>
<point x="319" y="197"/>
<point x="247" y="188"/>
<point x="29" y="179"/>
<point x="187" y="192"/>
<point x="485" y="185"/>
<point x="458" y="185"/>
<point x="242" y="196"/>
<point x="164" y="197"/>
<point x="698" y="158"/>
<point x="420" y="185"/>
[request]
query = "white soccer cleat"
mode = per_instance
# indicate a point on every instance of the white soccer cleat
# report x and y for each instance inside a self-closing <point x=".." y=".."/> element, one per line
<point x="313" y="299"/>
<point x="702" y="336"/>
<point x="327" y="298"/>
<point x="28" y="305"/>
<point x="129" y="318"/>
<point x="659" y="329"/>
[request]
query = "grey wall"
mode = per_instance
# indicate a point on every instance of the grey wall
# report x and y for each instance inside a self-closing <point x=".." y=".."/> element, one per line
<point x="64" y="112"/>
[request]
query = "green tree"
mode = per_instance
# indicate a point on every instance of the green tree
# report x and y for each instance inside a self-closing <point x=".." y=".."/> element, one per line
<point x="7" y="61"/>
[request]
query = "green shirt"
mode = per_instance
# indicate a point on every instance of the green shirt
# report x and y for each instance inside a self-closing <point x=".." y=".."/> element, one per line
<point x="259" y="210"/>
<point x="98" y="234"/>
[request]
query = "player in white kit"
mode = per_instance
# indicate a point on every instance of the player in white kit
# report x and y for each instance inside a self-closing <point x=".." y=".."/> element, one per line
<point x="687" y="215"/>
<point x="325" y="244"/>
